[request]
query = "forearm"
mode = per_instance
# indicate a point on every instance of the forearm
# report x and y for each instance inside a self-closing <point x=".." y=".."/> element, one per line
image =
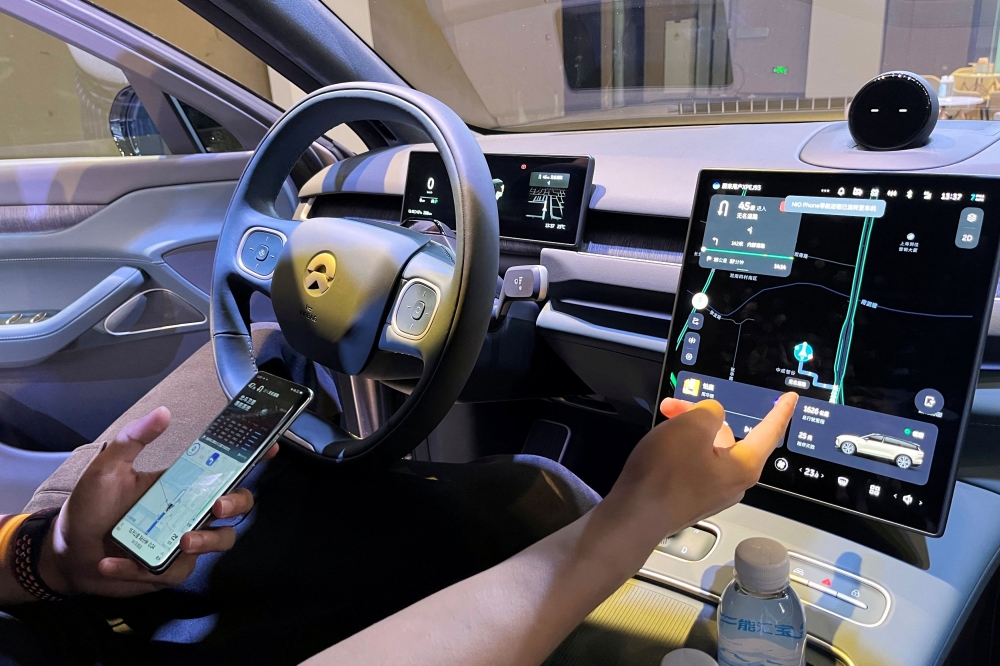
<point x="11" y="591"/>
<point x="516" y="613"/>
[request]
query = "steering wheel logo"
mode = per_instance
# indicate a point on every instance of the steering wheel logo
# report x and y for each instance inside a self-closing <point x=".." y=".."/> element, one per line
<point x="320" y="273"/>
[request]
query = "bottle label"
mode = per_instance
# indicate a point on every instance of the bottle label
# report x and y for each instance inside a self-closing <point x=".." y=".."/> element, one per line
<point x="766" y="628"/>
<point x="751" y="642"/>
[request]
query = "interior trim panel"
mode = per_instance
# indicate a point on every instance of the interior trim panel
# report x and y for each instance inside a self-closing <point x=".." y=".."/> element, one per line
<point x="35" y="219"/>
<point x="21" y="472"/>
<point x="557" y="321"/>
<point x="83" y="181"/>
<point x="566" y="266"/>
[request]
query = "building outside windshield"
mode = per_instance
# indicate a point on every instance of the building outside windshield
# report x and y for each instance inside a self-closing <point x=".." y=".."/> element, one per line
<point x="537" y="64"/>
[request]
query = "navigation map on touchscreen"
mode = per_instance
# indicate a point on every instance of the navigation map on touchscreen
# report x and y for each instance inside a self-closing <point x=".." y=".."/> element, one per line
<point x="808" y="346"/>
<point x="867" y="295"/>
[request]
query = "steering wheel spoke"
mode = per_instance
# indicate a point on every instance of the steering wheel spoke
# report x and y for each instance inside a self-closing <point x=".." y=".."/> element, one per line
<point x="318" y="435"/>
<point x="422" y="311"/>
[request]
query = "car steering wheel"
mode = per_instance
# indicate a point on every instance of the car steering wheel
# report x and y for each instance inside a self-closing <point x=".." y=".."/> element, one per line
<point x="361" y="297"/>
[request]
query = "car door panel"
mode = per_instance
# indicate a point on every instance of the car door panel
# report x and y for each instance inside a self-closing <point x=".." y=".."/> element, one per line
<point x="35" y="341"/>
<point x="23" y="471"/>
<point x="63" y="379"/>
<point x="68" y="399"/>
<point x="116" y="253"/>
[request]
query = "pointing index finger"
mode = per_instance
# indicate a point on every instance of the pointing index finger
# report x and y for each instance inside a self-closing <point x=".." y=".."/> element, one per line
<point x="766" y="435"/>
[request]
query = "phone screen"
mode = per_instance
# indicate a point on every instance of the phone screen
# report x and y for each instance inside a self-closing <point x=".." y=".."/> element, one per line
<point x="183" y="496"/>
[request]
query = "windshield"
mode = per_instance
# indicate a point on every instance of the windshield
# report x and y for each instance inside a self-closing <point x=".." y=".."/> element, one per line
<point x="564" y="64"/>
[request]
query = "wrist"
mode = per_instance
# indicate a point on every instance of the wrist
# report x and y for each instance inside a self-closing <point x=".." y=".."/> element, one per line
<point x="11" y="591"/>
<point x="628" y="531"/>
<point x="50" y="564"/>
<point x="637" y="524"/>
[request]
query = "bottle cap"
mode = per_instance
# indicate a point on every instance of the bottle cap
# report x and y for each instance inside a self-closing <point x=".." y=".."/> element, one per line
<point x="688" y="657"/>
<point x="762" y="565"/>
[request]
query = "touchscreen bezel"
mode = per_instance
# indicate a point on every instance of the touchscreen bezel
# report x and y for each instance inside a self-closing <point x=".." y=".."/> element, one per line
<point x="928" y="524"/>
<point x="584" y="202"/>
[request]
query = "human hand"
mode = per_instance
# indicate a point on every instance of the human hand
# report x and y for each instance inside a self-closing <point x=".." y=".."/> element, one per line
<point x="691" y="467"/>
<point x="79" y="556"/>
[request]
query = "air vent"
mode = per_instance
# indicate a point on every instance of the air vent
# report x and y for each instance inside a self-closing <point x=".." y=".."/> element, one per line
<point x="648" y="237"/>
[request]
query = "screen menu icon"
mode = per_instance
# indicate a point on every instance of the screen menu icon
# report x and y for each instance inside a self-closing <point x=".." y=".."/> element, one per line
<point x="970" y="223"/>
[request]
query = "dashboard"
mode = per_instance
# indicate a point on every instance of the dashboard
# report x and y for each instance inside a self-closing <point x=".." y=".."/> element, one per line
<point x="612" y="303"/>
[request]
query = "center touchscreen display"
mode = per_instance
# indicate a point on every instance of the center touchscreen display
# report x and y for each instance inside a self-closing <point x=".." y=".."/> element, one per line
<point x="869" y="295"/>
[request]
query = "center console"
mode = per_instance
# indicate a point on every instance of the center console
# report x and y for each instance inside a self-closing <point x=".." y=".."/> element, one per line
<point x="870" y="295"/>
<point x="862" y="605"/>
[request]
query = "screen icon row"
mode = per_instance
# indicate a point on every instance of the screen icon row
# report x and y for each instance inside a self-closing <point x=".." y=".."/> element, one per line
<point x="874" y="490"/>
<point x="892" y="193"/>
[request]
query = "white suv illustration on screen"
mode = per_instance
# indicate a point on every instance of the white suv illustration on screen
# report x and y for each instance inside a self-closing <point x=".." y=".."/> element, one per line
<point x="899" y="452"/>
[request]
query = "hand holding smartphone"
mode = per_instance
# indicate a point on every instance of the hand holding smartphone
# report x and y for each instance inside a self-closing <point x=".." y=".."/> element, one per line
<point x="181" y="499"/>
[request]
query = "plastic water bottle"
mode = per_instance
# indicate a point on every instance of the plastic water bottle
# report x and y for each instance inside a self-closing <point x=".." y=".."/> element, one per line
<point x="947" y="86"/>
<point x="762" y="622"/>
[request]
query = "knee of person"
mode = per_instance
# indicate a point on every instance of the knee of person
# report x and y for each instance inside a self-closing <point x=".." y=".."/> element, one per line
<point x="55" y="489"/>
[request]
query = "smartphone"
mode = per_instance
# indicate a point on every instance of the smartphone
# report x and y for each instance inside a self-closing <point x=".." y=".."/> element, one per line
<point x="181" y="499"/>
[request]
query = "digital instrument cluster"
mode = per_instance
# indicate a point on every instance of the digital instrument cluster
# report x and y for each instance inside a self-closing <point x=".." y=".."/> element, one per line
<point x="869" y="295"/>
<point x="540" y="199"/>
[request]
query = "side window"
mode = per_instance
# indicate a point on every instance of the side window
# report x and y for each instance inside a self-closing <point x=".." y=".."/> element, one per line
<point x="176" y="24"/>
<point x="211" y="136"/>
<point x="60" y="101"/>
